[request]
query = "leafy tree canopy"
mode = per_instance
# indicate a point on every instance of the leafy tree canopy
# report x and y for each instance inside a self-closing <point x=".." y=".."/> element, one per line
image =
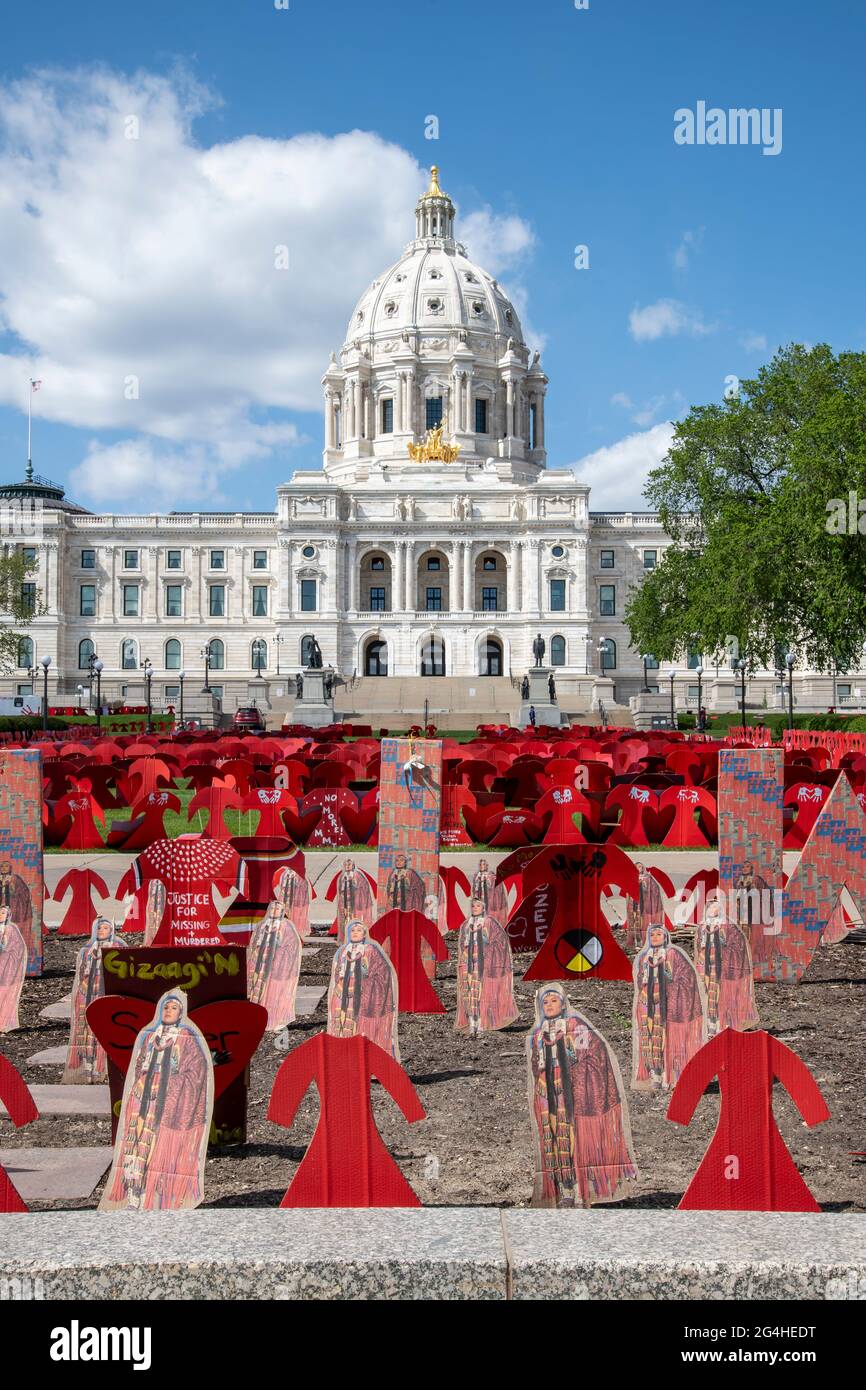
<point x="761" y="495"/>
<point x="17" y="607"/>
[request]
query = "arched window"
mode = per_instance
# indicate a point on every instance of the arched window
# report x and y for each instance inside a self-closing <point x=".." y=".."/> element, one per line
<point x="129" y="654"/>
<point x="557" y="651"/>
<point x="307" y="650"/>
<point x="172" y="654"/>
<point x="433" y="657"/>
<point x="25" y="652"/>
<point x="491" y="657"/>
<point x="259" y="654"/>
<point x="694" y="659"/>
<point x="376" y="658"/>
<point x="608" y="654"/>
<point x="85" y="652"/>
<point x="217" y="654"/>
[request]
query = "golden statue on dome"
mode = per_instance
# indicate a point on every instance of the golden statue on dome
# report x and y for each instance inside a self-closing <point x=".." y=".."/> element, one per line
<point x="433" y="449"/>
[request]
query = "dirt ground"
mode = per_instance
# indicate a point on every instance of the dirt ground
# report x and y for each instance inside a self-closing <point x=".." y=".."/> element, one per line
<point x="475" y="1147"/>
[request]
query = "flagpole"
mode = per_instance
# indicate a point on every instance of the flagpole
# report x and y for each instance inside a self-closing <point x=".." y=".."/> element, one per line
<point x="29" y="473"/>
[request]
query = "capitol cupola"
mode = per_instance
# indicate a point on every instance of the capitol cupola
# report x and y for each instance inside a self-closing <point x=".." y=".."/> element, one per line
<point x="434" y="213"/>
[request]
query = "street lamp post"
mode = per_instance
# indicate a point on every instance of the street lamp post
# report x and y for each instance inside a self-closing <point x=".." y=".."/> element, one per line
<point x="699" y="672"/>
<point x="148" y="677"/>
<point x="645" y="658"/>
<point x="278" y="642"/>
<point x="45" y="663"/>
<point x="673" y="677"/>
<point x="740" y="665"/>
<point x="97" y="666"/>
<point x="258" y="653"/>
<point x="205" y="651"/>
<point x="181" y="675"/>
<point x="80" y="692"/>
<point x="790" y="659"/>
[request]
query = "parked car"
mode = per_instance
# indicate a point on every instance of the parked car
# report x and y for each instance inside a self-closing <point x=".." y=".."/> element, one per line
<point x="248" y="717"/>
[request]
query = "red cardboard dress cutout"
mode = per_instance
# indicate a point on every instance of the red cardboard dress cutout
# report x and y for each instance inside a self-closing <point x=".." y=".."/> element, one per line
<point x="347" y="1164"/>
<point x="747" y="1166"/>
<point x="580" y="942"/>
<point x="78" y="917"/>
<point x="407" y="933"/>
<point x="22" y="1111"/>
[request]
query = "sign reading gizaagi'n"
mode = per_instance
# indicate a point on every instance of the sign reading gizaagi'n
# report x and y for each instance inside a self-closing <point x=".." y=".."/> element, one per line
<point x="21" y="847"/>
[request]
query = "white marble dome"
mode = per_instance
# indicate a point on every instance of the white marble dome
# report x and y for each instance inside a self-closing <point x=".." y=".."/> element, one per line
<point x="435" y="286"/>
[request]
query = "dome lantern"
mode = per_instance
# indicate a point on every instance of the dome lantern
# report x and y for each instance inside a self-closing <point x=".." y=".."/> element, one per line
<point x="434" y="214"/>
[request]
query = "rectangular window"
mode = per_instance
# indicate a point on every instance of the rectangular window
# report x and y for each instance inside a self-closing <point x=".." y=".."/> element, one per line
<point x="28" y="597"/>
<point x="172" y="694"/>
<point x="217" y="559"/>
<point x="607" y="600"/>
<point x="607" y="559"/>
<point x="490" y="599"/>
<point x="173" y="601"/>
<point x="433" y="417"/>
<point x="130" y="600"/>
<point x="217" y="690"/>
<point x="480" y="415"/>
<point x="260" y="559"/>
<point x="557" y="595"/>
<point x="377" y="600"/>
<point x="217" y="600"/>
<point x="649" y="559"/>
<point x="434" y="563"/>
<point x="87" y="601"/>
<point x="172" y="560"/>
<point x="434" y="600"/>
<point x="88" y="559"/>
<point x="130" y="559"/>
<point x="24" y="689"/>
<point x="388" y="417"/>
<point x="260" y="600"/>
<point x="693" y="692"/>
<point x="28" y="554"/>
<point x="308" y="595"/>
<point x="843" y="690"/>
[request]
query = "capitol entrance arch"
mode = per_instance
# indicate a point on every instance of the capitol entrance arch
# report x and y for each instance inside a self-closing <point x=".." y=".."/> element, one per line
<point x="433" y="657"/>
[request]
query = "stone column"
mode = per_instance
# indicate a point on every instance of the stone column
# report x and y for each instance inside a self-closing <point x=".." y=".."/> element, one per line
<point x="411" y="585"/>
<point x="398" y="586"/>
<point x="329" y="420"/>
<point x="512" y="602"/>
<point x="468" y="595"/>
<point x="351" y="561"/>
<point x="533" y="556"/>
<point x="456" y="577"/>
<point x="509" y="407"/>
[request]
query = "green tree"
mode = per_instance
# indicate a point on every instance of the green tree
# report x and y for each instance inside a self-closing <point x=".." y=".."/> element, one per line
<point x="752" y="492"/>
<point x="18" y="607"/>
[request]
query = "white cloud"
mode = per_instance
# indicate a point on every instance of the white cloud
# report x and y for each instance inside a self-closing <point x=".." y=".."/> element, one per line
<point x="689" y="243"/>
<point x="620" y="398"/>
<point x="666" y="318"/>
<point x="754" y="342"/>
<point x="645" y="414"/>
<point x="617" y="473"/>
<point x="138" y="276"/>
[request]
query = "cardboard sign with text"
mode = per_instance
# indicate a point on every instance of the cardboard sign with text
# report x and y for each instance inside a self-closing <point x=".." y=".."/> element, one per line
<point x="206" y="976"/>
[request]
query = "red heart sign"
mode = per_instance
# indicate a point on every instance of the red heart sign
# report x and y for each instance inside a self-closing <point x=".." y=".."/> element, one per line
<point x="233" y="1029"/>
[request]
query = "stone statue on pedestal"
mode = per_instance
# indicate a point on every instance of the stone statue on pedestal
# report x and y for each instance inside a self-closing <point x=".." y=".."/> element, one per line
<point x="315" y="662"/>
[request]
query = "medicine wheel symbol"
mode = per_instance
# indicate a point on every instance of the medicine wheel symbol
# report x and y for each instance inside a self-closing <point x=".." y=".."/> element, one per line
<point x="578" y="951"/>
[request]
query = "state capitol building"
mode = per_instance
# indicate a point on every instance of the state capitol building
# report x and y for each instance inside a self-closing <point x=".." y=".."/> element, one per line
<point x="434" y="543"/>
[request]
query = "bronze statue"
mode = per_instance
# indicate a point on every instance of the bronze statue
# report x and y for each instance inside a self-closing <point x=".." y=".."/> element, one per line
<point x="539" y="647"/>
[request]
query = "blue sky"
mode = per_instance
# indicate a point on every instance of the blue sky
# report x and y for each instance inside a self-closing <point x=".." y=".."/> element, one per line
<point x="147" y="260"/>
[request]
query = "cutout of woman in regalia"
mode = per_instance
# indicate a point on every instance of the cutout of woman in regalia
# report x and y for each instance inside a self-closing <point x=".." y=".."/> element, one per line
<point x="489" y="892"/>
<point x="485" y="980"/>
<point x="86" y="1061"/>
<point x="753" y="903"/>
<point x="355" y="900"/>
<point x="405" y="887"/>
<point x="274" y="964"/>
<point x="362" y="997"/>
<point x="669" y="1012"/>
<point x="583" y="1146"/>
<point x="153" y="912"/>
<point x="648" y="908"/>
<point x="13" y="968"/>
<point x="292" y="892"/>
<point x="165" y="1116"/>
<point x="724" y="963"/>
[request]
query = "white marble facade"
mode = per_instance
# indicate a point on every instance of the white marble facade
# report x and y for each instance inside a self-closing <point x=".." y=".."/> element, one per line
<point x="396" y="566"/>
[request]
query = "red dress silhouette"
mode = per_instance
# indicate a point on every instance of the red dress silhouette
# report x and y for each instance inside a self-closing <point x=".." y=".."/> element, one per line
<point x="747" y="1166"/>
<point x="406" y="932"/>
<point x="21" y="1109"/>
<point x="347" y="1164"/>
<point x="79" y="915"/>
